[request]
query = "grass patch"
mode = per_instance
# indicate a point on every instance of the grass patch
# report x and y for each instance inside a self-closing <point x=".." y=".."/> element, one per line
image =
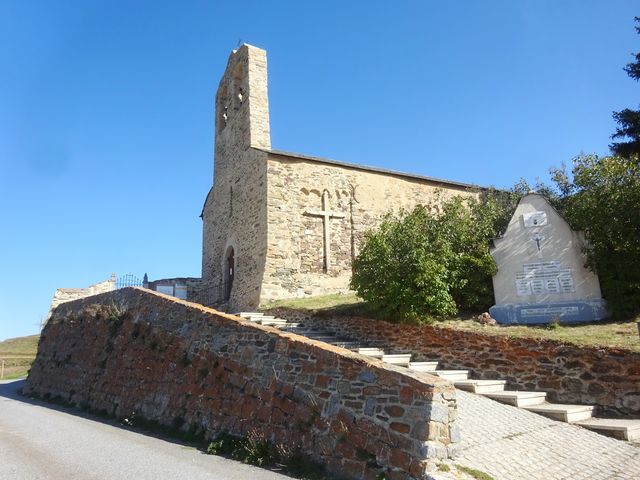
<point x="612" y="334"/>
<point x="322" y="302"/>
<point x="18" y="355"/>
<point x="334" y="304"/>
<point x="477" y="474"/>
<point x="604" y="334"/>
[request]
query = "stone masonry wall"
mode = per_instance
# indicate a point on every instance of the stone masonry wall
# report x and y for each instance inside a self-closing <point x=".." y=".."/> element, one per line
<point x="63" y="295"/>
<point x="138" y="353"/>
<point x="294" y="264"/>
<point x="235" y="213"/>
<point x="606" y="377"/>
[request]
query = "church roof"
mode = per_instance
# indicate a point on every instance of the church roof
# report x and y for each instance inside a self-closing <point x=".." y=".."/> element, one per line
<point x="384" y="171"/>
<point x="355" y="166"/>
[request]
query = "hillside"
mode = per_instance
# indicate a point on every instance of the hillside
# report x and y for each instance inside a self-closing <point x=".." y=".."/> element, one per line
<point x="18" y="354"/>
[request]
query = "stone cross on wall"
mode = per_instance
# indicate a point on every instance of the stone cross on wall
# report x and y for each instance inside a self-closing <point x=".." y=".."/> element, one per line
<point x="326" y="215"/>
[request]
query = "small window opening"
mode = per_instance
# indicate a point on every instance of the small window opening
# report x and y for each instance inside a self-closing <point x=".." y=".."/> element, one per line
<point x="229" y="273"/>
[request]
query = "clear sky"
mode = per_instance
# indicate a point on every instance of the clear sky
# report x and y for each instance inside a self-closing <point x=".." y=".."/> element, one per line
<point x="106" y="112"/>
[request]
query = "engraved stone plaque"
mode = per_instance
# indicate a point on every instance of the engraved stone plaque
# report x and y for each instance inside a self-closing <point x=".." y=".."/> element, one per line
<point x="537" y="286"/>
<point x="549" y="310"/>
<point x="523" y="286"/>
<point x="543" y="278"/>
<point x="566" y="283"/>
<point x="534" y="219"/>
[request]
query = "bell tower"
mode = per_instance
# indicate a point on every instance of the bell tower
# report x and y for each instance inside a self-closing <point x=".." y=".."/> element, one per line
<point x="235" y="211"/>
<point x="242" y="107"/>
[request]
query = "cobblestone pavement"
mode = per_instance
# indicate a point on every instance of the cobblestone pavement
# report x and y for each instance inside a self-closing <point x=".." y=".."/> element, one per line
<point x="510" y="444"/>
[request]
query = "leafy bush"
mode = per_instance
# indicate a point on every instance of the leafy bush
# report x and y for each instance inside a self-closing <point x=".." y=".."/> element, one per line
<point x="603" y="200"/>
<point x="431" y="261"/>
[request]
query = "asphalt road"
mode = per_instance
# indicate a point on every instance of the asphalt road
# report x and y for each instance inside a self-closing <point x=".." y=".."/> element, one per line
<point x="39" y="441"/>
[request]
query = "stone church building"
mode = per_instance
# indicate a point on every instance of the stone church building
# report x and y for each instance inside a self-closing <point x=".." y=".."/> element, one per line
<point x="279" y="224"/>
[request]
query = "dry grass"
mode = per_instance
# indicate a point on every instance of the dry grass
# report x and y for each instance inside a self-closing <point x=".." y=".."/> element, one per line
<point x="603" y="334"/>
<point x="336" y="301"/>
<point x="18" y="354"/>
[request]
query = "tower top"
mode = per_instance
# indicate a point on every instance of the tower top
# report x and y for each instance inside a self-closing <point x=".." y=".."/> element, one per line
<point x="242" y="104"/>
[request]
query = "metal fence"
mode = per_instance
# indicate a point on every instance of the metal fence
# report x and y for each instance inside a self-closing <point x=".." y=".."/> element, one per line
<point x="128" y="280"/>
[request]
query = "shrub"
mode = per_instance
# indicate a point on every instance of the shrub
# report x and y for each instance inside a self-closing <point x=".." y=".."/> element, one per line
<point x="431" y="261"/>
<point x="602" y="199"/>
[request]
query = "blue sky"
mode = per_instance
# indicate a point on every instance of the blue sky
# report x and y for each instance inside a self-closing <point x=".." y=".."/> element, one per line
<point x="106" y="112"/>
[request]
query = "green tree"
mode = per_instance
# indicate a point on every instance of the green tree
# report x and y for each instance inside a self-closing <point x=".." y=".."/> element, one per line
<point x="429" y="262"/>
<point x="603" y="200"/>
<point x="627" y="119"/>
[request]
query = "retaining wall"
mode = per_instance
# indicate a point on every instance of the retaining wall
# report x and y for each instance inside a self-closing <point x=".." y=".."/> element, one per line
<point x="606" y="377"/>
<point x="136" y="353"/>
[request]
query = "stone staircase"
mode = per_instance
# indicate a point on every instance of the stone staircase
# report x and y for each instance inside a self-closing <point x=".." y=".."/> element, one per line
<point x="536" y="402"/>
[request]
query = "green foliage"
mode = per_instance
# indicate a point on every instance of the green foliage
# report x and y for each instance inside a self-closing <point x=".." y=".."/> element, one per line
<point x="599" y="196"/>
<point x="603" y="200"/>
<point x="431" y="261"/>
<point x="627" y="119"/>
<point x="256" y="450"/>
<point x="477" y="474"/>
<point x="554" y="324"/>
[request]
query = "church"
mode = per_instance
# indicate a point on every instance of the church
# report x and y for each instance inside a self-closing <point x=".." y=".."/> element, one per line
<point x="278" y="224"/>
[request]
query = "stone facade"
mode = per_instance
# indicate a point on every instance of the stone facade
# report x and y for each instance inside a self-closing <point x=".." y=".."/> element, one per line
<point x="298" y="261"/>
<point x="290" y="223"/>
<point x="606" y="377"/>
<point x="134" y="353"/>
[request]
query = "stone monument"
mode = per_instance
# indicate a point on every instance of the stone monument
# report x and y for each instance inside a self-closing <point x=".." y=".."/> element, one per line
<point x="541" y="274"/>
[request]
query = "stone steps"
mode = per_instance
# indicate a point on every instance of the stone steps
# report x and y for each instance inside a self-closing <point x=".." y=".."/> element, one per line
<point x="274" y="322"/>
<point x="481" y="386"/>
<point x="423" y="366"/>
<point x="518" y="398"/>
<point x="371" y="352"/>
<point x="401" y="359"/>
<point x="290" y="326"/>
<point x="563" y="412"/>
<point x="582" y="415"/>
<point x="348" y="344"/>
<point x="615" y="427"/>
<point x="452" y="375"/>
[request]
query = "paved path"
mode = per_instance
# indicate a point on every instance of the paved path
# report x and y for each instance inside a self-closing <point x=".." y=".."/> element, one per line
<point x="42" y="442"/>
<point x="510" y="444"/>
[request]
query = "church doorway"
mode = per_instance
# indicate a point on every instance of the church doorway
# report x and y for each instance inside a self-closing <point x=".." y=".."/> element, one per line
<point x="229" y="272"/>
